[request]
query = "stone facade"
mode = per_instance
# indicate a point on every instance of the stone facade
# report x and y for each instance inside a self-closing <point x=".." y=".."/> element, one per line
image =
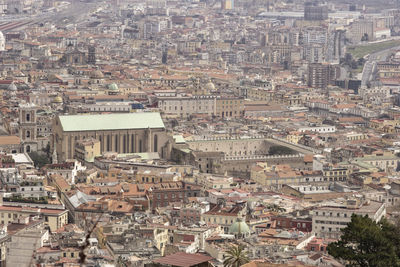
<point x="120" y="141"/>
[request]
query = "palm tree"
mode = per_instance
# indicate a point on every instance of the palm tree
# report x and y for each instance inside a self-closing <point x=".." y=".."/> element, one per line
<point x="235" y="256"/>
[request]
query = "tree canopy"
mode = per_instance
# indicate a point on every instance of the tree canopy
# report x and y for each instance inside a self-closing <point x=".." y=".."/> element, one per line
<point x="280" y="150"/>
<point x="39" y="159"/>
<point x="235" y="256"/>
<point x="367" y="243"/>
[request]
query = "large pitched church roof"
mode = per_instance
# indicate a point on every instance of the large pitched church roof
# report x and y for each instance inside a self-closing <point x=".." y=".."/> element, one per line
<point x="98" y="122"/>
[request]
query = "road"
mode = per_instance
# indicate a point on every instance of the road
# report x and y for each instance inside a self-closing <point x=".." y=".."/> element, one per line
<point x="370" y="66"/>
<point x="76" y="11"/>
<point x="73" y="12"/>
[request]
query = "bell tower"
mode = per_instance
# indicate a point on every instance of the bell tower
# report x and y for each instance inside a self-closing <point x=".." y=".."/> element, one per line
<point x="91" y="55"/>
<point x="28" y="127"/>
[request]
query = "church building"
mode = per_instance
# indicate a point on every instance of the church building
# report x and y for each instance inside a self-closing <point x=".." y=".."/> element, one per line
<point x="122" y="133"/>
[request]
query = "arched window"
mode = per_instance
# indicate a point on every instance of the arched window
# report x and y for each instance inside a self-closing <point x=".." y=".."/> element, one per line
<point x="28" y="134"/>
<point x="124" y="144"/>
<point x="28" y="117"/>
<point x="28" y="149"/>
<point x="155" y="143"/>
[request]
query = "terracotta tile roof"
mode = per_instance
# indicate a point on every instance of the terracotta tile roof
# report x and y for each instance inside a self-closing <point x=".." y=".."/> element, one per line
<point x="351" y="119"/>
<point x="308" y="158"/>
<point x="183" y="259"/>
<point x="31" y="210"/>
<point x="10" y="140"/>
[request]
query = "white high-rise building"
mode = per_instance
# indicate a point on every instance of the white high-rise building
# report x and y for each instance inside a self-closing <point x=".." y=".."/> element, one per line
<point x="2" y="42"/>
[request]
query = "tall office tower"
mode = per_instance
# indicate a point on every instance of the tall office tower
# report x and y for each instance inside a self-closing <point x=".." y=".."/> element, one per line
<point x="314" y="11"/>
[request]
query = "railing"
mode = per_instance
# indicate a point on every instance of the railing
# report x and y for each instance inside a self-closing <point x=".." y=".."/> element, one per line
<point x="227" y="138"/>
<point x="262" y="157"/>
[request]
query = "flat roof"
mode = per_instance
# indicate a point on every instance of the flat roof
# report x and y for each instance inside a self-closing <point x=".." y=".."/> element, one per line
<point x="371" y="207"/>
<point x="122" y="121"/>
<point x="179" y="139"/>
<point x="21" y="158"/>
<point x="31" y="210"/>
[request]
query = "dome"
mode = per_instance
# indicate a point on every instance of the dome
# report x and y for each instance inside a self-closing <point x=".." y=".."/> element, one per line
<point x="96" y="74"/>
<point x="210" y="86"/>
<point x="113" y="87"/>
<point x="12" y="87"/>
<point x="239" y="227"/>
<point x="57" y="100"/>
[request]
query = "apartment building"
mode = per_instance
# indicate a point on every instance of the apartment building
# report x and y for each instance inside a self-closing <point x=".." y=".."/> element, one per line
<point x="87" y="150"/>
<point x="318" y="129"/>
<point x="148" y="176"/>
<point x="320" y="75"/>
<point x="223" y="216"/>
<point x="263" y="94"/>
<point x="185" y="106"/>
<point x="361" y="29"/>
<point x="191" y="214"/>
<point x="54" y="218"/>
<point x="229" y="107"/>
<point x="278" y="175"/>
<point x="162" y="194"/>
<point x="333" y="174"/>
<point x="328" y="220"/>
<point x="387" y="162"/>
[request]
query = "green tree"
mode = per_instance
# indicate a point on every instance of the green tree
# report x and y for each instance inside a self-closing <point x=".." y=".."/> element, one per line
<point x="47" y="150"/>
<point x="235" y="256"/>
<point x="365" y="37"/>
<point x="391" y="232"/>
<point x="367" y="243"/>
<point x="280" y="150"/>
<point x="361" y="61"/>
<point x="39" y="159"/>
